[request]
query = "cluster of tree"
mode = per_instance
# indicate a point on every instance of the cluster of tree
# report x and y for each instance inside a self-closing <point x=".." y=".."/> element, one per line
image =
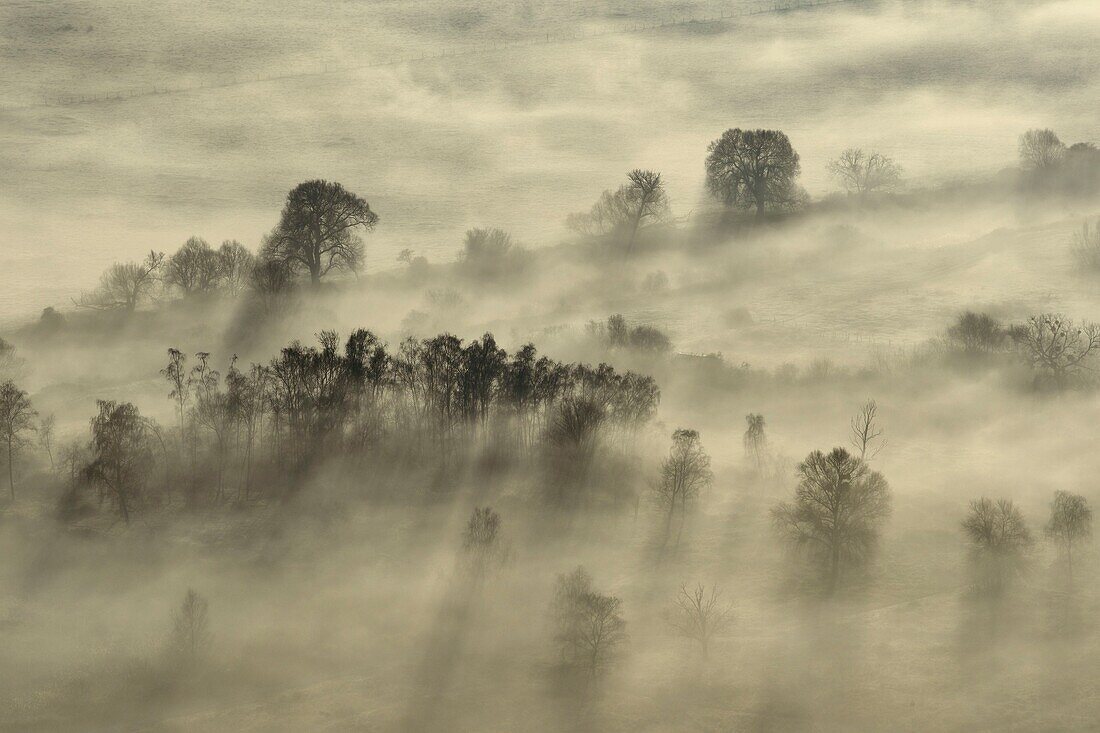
<point x="682" y="476"/>
<point x="589" y="627"/>
<point x="616" y="333"/>
<point x="837" y="513"/>
<point x="1000" y="541"/>
<point x="621" y="213"/>
<point x="840" y="505"/>
<point x="1052" y="166"/>
<point x="754" y="169"/>
<point x="1086" y="246"/>
<point x="491" y="255"/>
<point x="748" y="169"/>
<point x="1058" y="349"/>
<point x="196" y="269"/>
<point x="437" y="397"/>
<point x="758" y="170"/>
<point x="16" y="422"/>
<point x="482" y="541"/>
<point x="862" y="173"/>
<point x="317" y="233"/>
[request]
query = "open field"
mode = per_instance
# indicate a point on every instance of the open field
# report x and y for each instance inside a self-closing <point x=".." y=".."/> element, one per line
<point x="326" y="500"/>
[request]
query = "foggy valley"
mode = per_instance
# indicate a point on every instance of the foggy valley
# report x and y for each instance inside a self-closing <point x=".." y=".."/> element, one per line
<point x="431" y="365"/>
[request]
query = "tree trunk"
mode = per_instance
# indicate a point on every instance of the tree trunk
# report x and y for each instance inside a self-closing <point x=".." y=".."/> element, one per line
<point x="11" y="471"/>
<point x="123" y="509"/>
<point x="834" y="569"/>
<point x="634" y="229"/>
<point x="1069" y="563"/>
<point x="683" y="518"/>
<point x="668" y="520"/>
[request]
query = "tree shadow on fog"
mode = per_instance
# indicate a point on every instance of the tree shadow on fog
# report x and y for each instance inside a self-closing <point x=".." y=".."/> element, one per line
<point x="988" y="621"/>
<point x="443" y="647"/>
<point x="816" y="675"/>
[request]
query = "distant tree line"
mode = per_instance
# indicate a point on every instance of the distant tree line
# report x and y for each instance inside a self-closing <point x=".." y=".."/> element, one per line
<point x="1051" y="166"/>
<point x="318" y="233"/>
<point x="1059" y="350"/>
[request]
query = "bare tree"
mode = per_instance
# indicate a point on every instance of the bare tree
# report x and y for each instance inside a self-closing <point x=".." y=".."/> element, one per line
<point x="11" y="364"/>
<point x="73" y="457"/>
<point x="124" y="286"/>
<point x="194" y="269"/>
<point x="16" y="419"/>
<point x="589" y="625"/>
<point x="650" y="202"/>
<point x="317" y="230"/>
<point x="490" y="254"/>
<point x="481" y="540"/>
<point x="121" y="458"/>
<point x="754" y="440"/>
<point x="1086" y="244"/>
<point x="45" y="437"/>
<point x="176" y="374"/>
<point x="191" y="626"/>
<point x="1057" y="346"/>
<point x="566" y="610"/>
<point x="838" y="508"/>
<point x="999" y="542"/>
<point x="1070" y="524"/>
<point x="977" y="333"/>
<point x="641" y="201"/>
<point x="700" y="616"/>
<point x="683" y="474"/>
<point x="235" y="264"/>
<point x="862" y="173"/>
<point x="600" y="633"/>
<point x="753" y="169"/>
<point x="865" y="431"/>
<point x="1040" y="150"/>
<point x="573" y="438"/>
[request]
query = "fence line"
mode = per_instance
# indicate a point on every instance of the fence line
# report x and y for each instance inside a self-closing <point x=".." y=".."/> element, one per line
<point x="481" y="49"/>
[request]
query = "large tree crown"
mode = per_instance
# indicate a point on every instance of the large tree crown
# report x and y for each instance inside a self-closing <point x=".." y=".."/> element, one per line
<point x="752" y="167"/>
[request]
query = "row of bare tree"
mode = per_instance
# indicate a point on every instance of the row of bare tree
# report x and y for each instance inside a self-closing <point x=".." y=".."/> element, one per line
<point x="437" y="398"/>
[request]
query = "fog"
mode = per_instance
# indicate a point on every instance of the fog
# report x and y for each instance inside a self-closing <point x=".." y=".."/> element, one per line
<point x="223" y="506"/>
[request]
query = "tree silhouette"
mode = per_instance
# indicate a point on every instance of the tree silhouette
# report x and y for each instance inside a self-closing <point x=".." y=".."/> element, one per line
<point x="124" y="286"/>
<point x="753" y="169"/>
<point x="317" y="230"/>
<point x="700" y="616"/>
<point x="235" y="264"/>
<point x="977" y="333"/>
<point x="754" y="440"/>
<point x="121" y="457"/>
<point x="684" y="473"/>
<point x="999" y="542"/>
<point x="862" y="173"/>
<point x="191" y="626"/>
<point x="1040" y="150"/>
<point x="589" y="625"/>
<point x="16" y="419"/>
<point x="623" y="212"/>
<point x="838" y="508"/>
<point x="1057" y="346"/>
<point x="865" y="431"/>
<point x="1070" y="524"/>
<point x="194" y="269"/>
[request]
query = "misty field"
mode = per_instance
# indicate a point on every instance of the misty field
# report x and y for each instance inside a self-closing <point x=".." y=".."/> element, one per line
<point x="634" y="368"/>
